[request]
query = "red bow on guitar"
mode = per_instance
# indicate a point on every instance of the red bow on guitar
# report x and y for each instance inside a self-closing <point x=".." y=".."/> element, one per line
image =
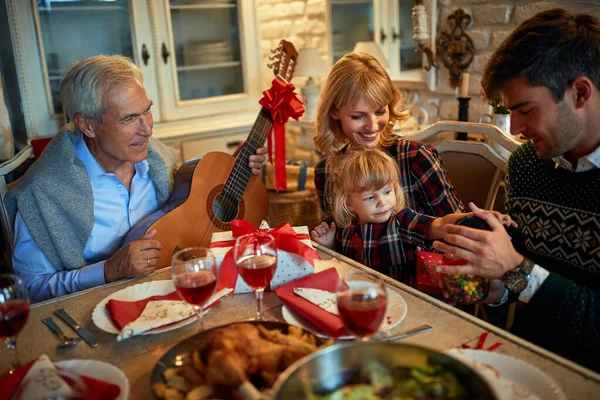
<point x="282" y="103"/>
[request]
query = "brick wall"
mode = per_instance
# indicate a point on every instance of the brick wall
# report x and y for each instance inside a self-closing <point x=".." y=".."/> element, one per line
<point x="306" y="24"/>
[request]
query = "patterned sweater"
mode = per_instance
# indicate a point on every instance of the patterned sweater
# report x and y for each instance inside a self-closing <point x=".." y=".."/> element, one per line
<point x="558" y="212"/>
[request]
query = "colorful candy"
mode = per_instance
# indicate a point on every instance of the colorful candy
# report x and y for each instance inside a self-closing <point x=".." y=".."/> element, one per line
<point x="462" y="288"/>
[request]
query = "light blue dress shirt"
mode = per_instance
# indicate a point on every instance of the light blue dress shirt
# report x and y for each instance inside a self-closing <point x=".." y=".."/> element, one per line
<point x="115" y="211"/>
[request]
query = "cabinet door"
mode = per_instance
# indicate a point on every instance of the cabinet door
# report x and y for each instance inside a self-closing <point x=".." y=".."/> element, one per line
<point x="48" y="35"/>
<point x="405" y="62"/>
<point x="208" y="57"/>
<point x="353" y="21"/>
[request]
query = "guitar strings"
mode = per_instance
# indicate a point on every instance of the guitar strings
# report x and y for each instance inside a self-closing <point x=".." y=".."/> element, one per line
<point x="262" y="126"/>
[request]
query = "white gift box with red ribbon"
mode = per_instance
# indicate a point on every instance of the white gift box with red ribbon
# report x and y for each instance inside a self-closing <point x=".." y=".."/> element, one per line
<point x="291" y="265"/>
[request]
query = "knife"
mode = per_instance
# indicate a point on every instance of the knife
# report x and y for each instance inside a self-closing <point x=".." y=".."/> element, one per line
<point x="81" y="331"/>
<point x="416" y="331"/>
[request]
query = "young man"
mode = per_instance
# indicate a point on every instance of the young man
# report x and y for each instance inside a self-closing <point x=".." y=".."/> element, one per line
<point x="96" y="179"/>
<point x="548" y="71"/>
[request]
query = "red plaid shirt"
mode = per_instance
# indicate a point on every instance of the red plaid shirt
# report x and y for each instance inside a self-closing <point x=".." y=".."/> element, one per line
<point x="427" y="190"/>
<point x="386" y="246"/>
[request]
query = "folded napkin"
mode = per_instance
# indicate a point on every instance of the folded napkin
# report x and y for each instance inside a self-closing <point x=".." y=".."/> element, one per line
<point x="326" y="280"/>
<point x="123" y="313"/>
<point x="40" y="379"/>
<point x="505" y="389"/>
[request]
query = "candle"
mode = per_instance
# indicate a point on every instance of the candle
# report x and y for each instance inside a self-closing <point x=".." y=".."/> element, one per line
<point x="464" y="85"/>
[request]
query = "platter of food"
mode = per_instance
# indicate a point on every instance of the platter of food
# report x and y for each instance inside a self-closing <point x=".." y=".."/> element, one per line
<point x="232" y="360"/>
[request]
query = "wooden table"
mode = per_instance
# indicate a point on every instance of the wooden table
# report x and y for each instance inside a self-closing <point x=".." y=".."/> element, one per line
<point x="137" y="356"/>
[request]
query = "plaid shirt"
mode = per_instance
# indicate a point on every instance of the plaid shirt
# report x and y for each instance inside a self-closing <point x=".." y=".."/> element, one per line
<point x="427" y="190"/>
<point x="386" y="246"/>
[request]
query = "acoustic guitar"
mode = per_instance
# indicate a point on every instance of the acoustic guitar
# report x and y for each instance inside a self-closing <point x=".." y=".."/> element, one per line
<point x="222" y="187"/>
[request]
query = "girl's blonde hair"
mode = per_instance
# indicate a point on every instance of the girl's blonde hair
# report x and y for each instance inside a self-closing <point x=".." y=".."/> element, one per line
<point x="359" y="171"/>
<point x="355" y="77"/>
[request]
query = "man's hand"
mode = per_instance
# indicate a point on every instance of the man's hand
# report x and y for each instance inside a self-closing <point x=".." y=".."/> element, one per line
<point x="324" y="234"/>
<point x="134" y="260"/>
<point x="488" y="253"/>
<point x="255" y="161"/>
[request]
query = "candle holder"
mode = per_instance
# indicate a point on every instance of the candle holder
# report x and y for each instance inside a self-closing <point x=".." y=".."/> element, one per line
<point x="463" y="115"/>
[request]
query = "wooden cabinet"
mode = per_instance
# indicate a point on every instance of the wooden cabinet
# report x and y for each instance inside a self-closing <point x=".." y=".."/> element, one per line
<point x="388" y="23"/>
<point x="199" y="57"/>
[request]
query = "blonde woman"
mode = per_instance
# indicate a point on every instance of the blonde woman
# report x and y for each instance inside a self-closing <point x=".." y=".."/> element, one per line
<point x="358" y="109"/>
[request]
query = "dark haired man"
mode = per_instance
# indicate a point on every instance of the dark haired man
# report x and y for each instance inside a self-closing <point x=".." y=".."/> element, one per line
<point x="548" y="71"/>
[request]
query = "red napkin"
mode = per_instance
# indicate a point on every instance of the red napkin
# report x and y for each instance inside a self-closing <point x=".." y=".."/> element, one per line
<point x="123" y="312"/>
<point x="97" y="389"/>
<point x="327" y="280"/>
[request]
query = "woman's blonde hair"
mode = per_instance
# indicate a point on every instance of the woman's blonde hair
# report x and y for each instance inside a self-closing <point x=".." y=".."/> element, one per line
<point x="359" y="171"/>
<point x="355" y="77"/>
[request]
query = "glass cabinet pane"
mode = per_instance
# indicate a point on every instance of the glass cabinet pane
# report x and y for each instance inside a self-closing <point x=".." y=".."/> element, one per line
<point x="206" y="37"/>
<point x="71" y="30"/>
<point x="351" y="22"/>
<point x="409" y="58"/>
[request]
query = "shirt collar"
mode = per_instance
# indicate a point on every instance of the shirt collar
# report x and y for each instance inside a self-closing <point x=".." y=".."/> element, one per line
<point x="585" y="163"/>
<point x="94" y="169"/>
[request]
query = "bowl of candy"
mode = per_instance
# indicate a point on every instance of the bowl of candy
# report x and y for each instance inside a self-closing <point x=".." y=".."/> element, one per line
<point x="462" y="288"/>
<point x="376" y="370"/>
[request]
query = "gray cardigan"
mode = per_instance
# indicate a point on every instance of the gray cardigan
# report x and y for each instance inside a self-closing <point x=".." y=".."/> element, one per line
<point x="56" y="202"/>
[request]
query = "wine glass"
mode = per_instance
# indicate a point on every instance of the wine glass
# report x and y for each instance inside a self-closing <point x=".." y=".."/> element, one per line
<point x="361" y="302"/>
<point x="255" y="255"/>
<point x="194" y="273"/>
<point x="14" y="311"/>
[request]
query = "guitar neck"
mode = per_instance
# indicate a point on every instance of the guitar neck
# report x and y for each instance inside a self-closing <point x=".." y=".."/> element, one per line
<point x="238" y="179"/>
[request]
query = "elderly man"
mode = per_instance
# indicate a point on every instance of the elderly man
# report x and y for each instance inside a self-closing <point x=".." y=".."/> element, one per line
<point x="548" y="71"/>
<point x="96" y="179"/>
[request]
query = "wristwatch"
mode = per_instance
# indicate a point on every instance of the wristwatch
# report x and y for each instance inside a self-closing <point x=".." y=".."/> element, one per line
<point x="517" y="279"/>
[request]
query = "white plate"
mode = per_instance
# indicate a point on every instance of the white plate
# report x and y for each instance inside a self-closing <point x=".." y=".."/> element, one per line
<point x="395" y="314"/>
<point x="519" y="372"/>
<point x="141" y="291"/>
<point x="98" y="370"/>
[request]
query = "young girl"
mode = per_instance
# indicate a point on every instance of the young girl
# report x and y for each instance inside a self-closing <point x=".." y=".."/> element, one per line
<point x="371" y="222"/>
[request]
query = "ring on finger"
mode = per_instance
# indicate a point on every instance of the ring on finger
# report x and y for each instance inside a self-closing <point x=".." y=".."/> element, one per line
<point x="148" y="261"/>
<point x="449" y="255"/>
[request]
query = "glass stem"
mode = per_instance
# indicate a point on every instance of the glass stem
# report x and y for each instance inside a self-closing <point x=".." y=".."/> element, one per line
<point x="259" y="303"/>
<point x="200" y="315"/>
<point x="11" y="345"/>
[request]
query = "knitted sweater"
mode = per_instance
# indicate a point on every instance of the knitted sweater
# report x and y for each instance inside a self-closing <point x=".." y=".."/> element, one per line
<point x="55" y="197"/>
<point x="558" y="212"/>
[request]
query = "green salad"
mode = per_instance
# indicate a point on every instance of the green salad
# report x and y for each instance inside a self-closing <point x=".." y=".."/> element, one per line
<point x="377" y="381"/>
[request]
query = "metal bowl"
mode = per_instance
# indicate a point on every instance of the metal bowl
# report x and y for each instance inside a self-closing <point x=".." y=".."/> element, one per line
<point x="338" y="365"/>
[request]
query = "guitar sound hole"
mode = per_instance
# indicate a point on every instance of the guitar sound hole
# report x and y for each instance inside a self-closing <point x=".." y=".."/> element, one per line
<point x="225" y="208"/>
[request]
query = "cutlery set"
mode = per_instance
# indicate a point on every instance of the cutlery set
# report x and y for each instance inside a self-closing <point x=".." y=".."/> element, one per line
<point x="66" y="341"/>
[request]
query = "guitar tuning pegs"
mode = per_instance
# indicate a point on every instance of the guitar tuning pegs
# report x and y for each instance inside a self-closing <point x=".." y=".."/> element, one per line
<point x="270" y="66"/>
<point x="272" y="58"/>
<point x="273" y="51"/>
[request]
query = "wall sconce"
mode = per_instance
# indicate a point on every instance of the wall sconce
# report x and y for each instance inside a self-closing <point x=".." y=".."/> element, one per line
<point x="455" y="47"/>
<point x="420" y="33"/>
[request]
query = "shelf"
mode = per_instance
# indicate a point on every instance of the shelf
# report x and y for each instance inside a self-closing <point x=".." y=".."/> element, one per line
<point x="100" y="7"/>
<point x="202" y="6"/>
<point x="201" y="67"/>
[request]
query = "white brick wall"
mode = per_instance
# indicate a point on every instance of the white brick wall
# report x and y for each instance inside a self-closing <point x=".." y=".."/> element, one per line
<point x="305" y="23"/>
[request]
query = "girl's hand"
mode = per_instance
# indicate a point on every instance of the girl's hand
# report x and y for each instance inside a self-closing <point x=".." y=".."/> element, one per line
<point x="324" y="234"/>
<point x="503" y="218"/>
<point x="436" y="229"/>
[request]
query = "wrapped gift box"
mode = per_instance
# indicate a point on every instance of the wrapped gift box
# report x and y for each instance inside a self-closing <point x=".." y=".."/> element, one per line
<point x="299" y="176"/>
<point x="290" y="266"/>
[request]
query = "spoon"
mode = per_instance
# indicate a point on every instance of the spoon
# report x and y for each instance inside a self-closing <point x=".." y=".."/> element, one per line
<point x="65" y="341"/>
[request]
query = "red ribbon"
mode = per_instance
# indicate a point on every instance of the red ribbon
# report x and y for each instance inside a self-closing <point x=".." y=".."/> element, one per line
<point x="286" y="239"/>
<point x="480" y="343"/>
<point x="282" y="103"/>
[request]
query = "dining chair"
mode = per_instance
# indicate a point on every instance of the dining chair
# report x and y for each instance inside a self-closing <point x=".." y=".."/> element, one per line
<point x="8" y="176"/>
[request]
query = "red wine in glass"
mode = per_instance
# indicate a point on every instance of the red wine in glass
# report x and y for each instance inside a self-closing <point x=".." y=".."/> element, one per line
<point x="362" y="312"/>
<point x="14" y="311"/>
<point x="194" y="275"/>
<point x="195" y="287"/>
<point x="257" y="271"/>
